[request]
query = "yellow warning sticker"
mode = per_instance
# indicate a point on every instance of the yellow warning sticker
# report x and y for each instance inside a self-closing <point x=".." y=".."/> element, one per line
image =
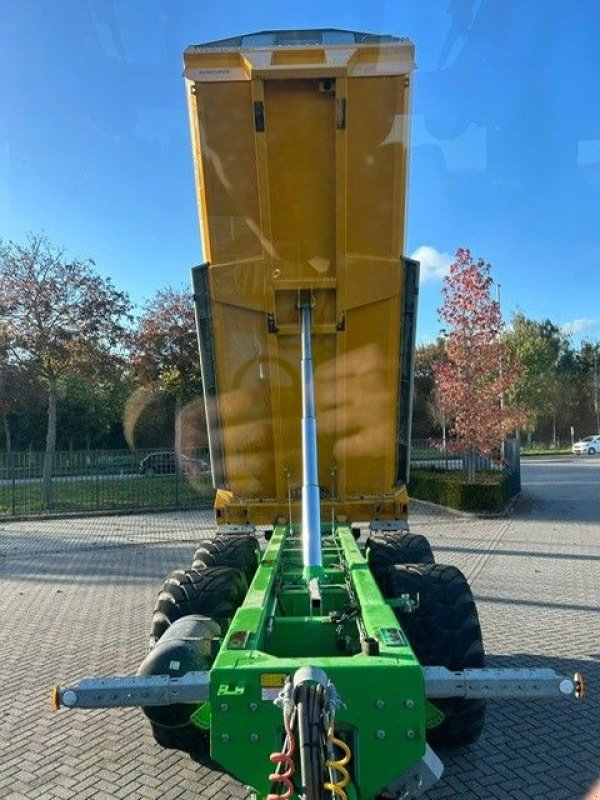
<point x="272" y="680"/>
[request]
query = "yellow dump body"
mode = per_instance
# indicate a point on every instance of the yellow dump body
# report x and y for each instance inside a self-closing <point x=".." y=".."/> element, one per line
<point x="301" y="151"/>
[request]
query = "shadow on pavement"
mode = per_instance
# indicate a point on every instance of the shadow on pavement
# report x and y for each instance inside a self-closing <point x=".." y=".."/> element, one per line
<point x="531" y="747"/>
<point x="126" y="563"/>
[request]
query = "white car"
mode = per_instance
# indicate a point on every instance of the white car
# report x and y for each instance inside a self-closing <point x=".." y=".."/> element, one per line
<point x="590" y="445"/>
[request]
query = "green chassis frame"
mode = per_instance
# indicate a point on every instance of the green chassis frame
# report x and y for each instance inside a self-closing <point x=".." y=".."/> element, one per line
<point x="281" y="627"/>
<point x="286" y="624"/>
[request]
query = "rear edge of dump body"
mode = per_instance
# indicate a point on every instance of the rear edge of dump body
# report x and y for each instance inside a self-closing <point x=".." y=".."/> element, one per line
<point x="301" y="151"/>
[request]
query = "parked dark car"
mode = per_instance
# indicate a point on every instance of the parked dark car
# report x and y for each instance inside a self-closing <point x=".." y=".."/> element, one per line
<point x="165" y="463"/>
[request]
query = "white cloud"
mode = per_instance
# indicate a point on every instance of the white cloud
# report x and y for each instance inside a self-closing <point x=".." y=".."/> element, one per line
<point x="434" y="265"/>
<point x="578" y="326"/>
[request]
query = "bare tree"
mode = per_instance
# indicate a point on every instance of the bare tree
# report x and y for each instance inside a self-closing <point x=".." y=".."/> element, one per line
<point x="58" y="315"/>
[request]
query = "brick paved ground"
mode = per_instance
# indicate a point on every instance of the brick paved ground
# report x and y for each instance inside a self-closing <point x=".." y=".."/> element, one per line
<point x="76" y="598"/>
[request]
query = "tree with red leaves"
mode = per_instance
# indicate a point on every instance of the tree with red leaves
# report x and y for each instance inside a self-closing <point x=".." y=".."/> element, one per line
<point x="477" y="371"/>
<point x="57" y="315"/>
<point x="165" y="349"/>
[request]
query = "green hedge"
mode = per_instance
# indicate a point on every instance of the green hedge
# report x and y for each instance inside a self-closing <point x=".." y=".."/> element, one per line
<point x="546" y="451"/>
<point x="450" y="488"/>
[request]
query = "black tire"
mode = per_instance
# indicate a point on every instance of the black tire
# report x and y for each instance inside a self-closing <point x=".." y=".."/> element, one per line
<point x="444" y="631"/>
<point x="385" y="550"/>
<point x="149" y="472"/>
<point x="171" y="725"/>
<point x="591" y="451"/>
<point x="240" y="552"/>
<point x="213" y="592"/>
<point x="187" y="738"/>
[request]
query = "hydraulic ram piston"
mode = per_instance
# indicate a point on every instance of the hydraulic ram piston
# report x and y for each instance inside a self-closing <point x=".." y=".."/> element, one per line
<point x="311" y="508"/>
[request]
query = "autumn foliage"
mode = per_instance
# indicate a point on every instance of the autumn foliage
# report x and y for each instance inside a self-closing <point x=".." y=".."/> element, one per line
<point x="165" y="348"/>
<point x="165" y="359"/>
<point x="476" y="371"/>
<point x="57" y="315"/>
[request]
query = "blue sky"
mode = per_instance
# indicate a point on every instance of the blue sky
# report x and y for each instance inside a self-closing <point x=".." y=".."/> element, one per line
<point x="505" y="160"/>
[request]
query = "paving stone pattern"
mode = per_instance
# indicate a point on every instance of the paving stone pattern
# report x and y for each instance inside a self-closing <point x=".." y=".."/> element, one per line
<point x="76" y="598"/>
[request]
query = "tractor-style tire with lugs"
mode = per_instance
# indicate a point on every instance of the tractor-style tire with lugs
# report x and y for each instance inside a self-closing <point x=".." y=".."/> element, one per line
<point x="211" y="591"/>
<point x="240" y="552"/>
<point x="216" y="593"/>
<point x="387" y="549"/>
<point x="188" y="738"/>
<point x="443" y="631"/>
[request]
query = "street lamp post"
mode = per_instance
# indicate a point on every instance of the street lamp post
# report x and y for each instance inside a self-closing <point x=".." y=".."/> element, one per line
<point x="596" y="389"/>
<point x="500" y="365"/>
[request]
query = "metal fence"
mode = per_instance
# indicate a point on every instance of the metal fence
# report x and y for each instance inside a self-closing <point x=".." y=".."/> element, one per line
<point x="112" y="480"/>
<point x="427" y="453"/>
<point x="106" y="480"/>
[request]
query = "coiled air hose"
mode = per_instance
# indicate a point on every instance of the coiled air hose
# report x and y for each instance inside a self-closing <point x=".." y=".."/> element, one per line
<point x="336" y="784"/>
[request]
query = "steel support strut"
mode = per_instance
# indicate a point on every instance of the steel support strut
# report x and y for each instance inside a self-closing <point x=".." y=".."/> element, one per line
<point x="194" y="687"/>
<point x="498" y="683"/>
<point x="146" y="690"/>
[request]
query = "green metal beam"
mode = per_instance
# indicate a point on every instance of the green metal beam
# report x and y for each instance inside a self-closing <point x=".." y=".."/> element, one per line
<point x="279" y="629"/>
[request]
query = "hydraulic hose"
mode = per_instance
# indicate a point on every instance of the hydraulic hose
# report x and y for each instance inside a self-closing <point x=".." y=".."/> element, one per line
<point x="309" y="706"/>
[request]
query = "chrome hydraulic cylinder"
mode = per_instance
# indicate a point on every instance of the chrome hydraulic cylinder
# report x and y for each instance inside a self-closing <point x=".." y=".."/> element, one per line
<point x="311" y="501"/>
